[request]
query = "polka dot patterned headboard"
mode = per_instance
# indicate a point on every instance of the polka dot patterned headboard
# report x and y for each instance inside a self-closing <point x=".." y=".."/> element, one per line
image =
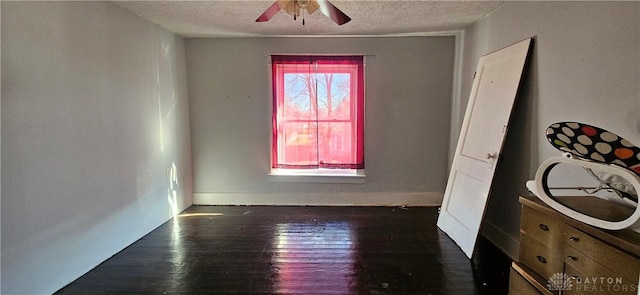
<point x="593" y="143"/>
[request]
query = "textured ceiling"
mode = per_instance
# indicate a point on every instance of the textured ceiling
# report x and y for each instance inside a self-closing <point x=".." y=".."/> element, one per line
<point x="369" y="18"/>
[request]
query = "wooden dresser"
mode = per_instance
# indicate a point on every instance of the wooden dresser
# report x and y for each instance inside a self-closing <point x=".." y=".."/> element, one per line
<point x="553" y="246"/>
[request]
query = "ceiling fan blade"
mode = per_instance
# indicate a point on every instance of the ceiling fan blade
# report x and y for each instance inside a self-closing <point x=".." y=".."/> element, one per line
<point x="333" y="12"/>
<point x="269" y="13"/>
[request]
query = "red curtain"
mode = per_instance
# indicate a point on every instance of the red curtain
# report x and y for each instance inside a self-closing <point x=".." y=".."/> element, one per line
<point x="318" y="112"/>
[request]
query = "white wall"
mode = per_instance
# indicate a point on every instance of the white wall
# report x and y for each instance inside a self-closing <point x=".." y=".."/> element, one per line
<point x="94" y="109"/>
<point x="408" y="99"/>
<point x="584" y="66"/>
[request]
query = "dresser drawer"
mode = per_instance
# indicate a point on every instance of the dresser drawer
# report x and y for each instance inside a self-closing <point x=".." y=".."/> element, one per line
<point x="544" y="260"/>
<point x="566" y="282"/>
<point x="592" y="277"/>
<point x="577" y="287"/>
<point x="625" y="265"/>
<point x="520" y="286"/>
<point x="541" y="227"/>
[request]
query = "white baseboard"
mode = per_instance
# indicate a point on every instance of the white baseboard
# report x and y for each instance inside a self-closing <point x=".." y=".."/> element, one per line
<point x="320" y="199"/>
<point x="502" y="240"/>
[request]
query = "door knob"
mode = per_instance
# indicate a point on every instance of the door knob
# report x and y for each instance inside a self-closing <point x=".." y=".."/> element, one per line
<point x="492" y="155"/>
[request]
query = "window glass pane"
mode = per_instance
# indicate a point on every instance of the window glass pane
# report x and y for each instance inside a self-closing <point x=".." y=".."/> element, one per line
<point x="299" y="97"/>
<point x="298" y="143"/>
<point x="334" y="96"/>
<point x="336" y="143"/>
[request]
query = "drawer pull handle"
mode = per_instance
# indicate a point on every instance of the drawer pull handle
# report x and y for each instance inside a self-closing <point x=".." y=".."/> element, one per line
<point x="574" y="239"/>
<point x="544" y="227"/>
<point x="572" y="258"/>
<point x="541" y="259"/>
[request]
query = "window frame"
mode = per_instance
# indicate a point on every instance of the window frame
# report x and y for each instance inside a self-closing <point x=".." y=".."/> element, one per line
<point x="319" y="174"/>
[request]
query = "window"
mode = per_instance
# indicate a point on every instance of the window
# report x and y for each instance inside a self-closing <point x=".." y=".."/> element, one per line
<point x="318" y="112"/>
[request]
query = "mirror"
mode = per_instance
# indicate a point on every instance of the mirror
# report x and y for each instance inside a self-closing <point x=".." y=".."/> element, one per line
<point x="591" y="192"/>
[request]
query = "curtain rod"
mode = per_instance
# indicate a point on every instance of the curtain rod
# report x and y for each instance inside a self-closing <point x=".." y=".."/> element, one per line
<point x="331" y="54"/>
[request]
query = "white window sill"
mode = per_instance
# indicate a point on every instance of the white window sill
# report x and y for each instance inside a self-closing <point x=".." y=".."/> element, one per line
<point x="317" y="175"/>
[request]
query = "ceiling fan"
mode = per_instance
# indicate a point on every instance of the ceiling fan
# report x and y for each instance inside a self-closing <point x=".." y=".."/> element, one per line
<point x="295" y="7"/>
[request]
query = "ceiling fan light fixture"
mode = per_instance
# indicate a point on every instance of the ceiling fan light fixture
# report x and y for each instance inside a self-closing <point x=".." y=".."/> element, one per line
<point x="293" y="7"/>
<point x="303" y="3"/>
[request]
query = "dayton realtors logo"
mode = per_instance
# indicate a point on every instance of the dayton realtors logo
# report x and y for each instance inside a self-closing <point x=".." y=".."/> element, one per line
<point x="560" y="281"/>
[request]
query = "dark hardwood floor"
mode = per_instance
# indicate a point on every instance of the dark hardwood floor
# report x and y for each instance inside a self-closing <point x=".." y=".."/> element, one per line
<point x="298" y="250"/>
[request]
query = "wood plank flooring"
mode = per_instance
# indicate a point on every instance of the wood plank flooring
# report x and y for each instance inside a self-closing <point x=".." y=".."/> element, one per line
<point x="298" y="250"/>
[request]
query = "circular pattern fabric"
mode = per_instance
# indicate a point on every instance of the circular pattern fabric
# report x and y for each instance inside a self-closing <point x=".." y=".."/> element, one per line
<point x="593" y="143"/>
